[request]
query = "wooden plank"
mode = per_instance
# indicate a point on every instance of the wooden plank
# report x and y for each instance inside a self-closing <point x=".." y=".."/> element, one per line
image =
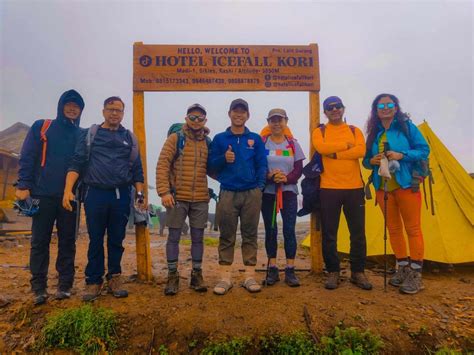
<point x="225" y="68"/>
<point x="142" y="232"/>
<point x="316" y="239"/>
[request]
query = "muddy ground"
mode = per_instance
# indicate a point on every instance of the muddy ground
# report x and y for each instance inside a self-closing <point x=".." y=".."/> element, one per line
<point x="441" y="315"/>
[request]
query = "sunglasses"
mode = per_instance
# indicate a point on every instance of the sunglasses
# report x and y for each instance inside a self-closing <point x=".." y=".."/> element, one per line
<point x="389" y="105"/>
<point x="336" y="106"/>
<point x="193" y="118"/>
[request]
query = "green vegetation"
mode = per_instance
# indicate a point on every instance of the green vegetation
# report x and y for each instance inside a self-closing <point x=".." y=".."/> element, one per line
<point x="85" y="330"/>
<point x="234" y="346"/>
<point x="349" y="341"/>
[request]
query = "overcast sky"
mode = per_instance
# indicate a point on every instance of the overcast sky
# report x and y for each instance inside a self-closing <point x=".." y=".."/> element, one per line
<point x="420" y="51"/>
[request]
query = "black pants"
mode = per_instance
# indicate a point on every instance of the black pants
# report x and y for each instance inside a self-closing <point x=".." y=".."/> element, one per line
<point x="50" y="211"/>
<point x="353" y="205"/>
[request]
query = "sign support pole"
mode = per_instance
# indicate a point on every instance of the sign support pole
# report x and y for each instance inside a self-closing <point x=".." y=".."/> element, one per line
<point x="316" y="238"/>
<point x="142" y="232"/>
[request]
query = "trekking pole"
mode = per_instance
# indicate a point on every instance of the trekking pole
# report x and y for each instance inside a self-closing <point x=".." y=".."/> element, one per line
<point x="385" y="199"/>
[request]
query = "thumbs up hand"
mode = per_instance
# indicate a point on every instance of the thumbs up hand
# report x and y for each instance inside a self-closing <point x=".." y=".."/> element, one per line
<point x="229" y="155"/>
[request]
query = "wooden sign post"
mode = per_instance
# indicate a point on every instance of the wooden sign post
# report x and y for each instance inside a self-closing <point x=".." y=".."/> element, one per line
<point x="221" y="68"/>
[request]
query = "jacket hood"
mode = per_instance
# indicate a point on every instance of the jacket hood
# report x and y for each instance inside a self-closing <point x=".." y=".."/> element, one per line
<point x="69" y="96"/>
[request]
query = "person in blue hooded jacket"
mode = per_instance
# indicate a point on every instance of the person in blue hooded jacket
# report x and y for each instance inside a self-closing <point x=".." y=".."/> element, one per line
<point x="44" y="162"/>
<point x="391" y="135"/>
<point x="237" y="156"/>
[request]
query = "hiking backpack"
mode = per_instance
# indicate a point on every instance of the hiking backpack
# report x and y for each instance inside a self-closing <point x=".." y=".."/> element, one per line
<point x="178" y="129"/>
<point x="44" y="139"/>
<point x="91" y="133"/>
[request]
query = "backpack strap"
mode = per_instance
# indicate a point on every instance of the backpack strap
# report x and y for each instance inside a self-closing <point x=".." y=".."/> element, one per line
<point x="291" y="143"/>
<point x="322" y="127"/>
<point x="91" y="132"/>
<point x="44" y="139"/>
<point x="180" y="142"/>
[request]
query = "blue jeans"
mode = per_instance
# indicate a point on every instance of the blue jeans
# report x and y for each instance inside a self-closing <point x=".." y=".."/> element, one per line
<point x="288" y="214"/>
<point x="106" y="210"/>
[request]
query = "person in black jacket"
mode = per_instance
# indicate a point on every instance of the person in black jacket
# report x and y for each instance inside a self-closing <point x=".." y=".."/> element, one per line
<point x="44" y="162"/>
<point x="109" y="168"/>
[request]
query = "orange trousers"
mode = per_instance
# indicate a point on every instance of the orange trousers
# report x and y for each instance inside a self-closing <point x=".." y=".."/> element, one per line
<point x="404" y="204"/>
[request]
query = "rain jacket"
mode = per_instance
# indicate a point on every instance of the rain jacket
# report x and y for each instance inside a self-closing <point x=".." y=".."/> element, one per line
<point x="249" y="169"/>
<point x="61" y="140"/>
<point x="413" y="147"/>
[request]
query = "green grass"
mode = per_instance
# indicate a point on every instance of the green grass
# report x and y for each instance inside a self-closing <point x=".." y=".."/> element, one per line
<point x="349" y="341"/>
<point x="85" y="330"/>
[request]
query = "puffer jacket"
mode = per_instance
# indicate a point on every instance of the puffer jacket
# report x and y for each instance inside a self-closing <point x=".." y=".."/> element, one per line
<point x="186" y="174"/>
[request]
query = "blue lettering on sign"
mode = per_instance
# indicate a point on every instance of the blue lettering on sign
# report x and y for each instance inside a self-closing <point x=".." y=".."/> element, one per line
<point x="295" y="61"/>
<point x="145" y="60"/>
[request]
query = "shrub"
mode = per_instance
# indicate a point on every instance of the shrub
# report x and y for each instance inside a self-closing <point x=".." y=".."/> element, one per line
<point x="84" y="329"/>
<point x="350" y="341"/>
<point x="234" y="346"/>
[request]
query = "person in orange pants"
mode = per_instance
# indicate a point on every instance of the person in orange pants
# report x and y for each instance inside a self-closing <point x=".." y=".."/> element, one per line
<point x="391" y="135"/>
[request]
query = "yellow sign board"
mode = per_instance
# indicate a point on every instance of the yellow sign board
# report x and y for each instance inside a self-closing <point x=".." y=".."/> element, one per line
<point x="225" y="68"/>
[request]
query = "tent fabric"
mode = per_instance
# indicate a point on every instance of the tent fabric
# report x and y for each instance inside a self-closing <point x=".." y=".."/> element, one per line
<point x="449" y="233"/>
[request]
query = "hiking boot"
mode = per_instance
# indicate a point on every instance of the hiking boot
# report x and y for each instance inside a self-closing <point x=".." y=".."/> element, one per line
<point x="272" y="276"/>
<point x="40" y="298"/>
<point x="172" y="284"/>
<point x="197" y="282"/>
<point x="290" y="277"/>
<point x="400" y="276"/>
<point x="63" y="294"/>
<point x="360" y="280"/>
<point x="114" y="286"/>
<point x="412" y="283"/>
<point x="332" y="281"/>
<point x="91" y="292"/>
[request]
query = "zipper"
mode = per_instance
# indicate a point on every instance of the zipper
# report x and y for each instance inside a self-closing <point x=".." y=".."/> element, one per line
<point x="194" y="170"/>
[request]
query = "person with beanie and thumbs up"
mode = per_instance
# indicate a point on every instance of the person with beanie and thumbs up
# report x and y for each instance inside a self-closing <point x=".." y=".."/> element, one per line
<point x="237" y="157"/>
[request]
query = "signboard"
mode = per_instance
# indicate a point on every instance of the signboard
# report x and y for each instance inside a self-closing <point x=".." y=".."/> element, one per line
<point x="225" y="68"/>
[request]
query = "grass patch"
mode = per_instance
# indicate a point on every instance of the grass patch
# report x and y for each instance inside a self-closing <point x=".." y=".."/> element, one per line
<point x="85" y="330"/>
<point x="349" y="341"/>
<point x="208" y="241"/>
<point x="234" y="346"/>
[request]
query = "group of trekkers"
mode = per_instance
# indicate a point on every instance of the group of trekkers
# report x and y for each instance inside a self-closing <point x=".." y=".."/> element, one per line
<point x="258" y="173"/>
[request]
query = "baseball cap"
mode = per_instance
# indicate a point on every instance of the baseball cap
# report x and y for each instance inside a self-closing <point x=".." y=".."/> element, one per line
<point x="331" y="100"/>
<point x="239" y="102"/>
<point x="277" y="112"/>
<point x="196" y="107"/>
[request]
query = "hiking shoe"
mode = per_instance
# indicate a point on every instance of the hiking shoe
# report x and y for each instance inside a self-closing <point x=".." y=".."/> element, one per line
<point x="400" y="276"/>
<point x="360" y="280"/>
<point x="272" y="276"/>
<point x="412" y="283"/>
<point x="332" y="281"/>
<point x="63" y="294"/>
<point x="172" y="284"/>
<point x="40" y="298"/>
<point x="114" y="286"/>
<point x="290" y="277"/>
<point x="197" y="282"/>
<point x="91" y="292"/>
